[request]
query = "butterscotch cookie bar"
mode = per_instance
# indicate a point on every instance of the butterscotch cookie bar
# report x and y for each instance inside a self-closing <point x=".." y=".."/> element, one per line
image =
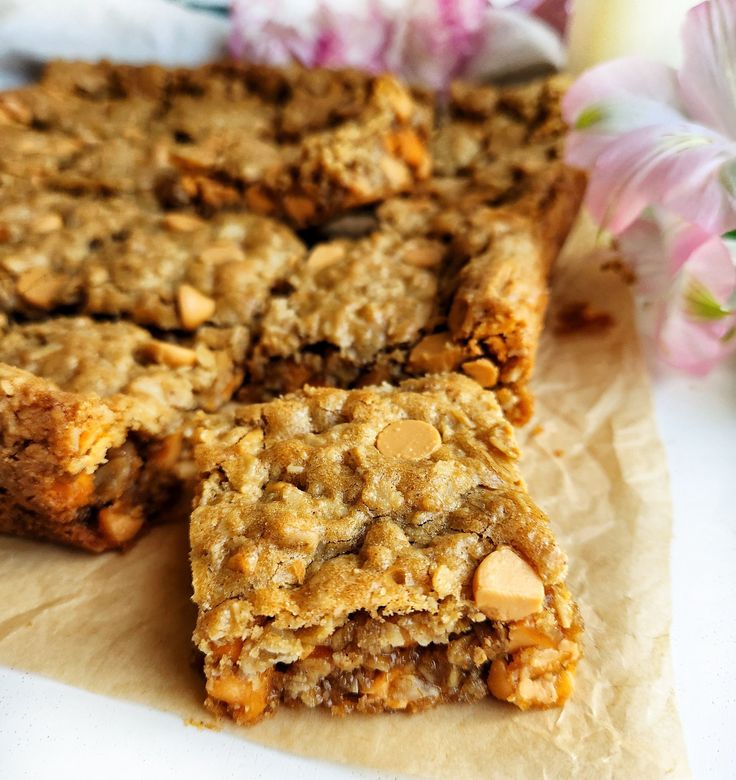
<point x="96" y="420"/>
<point x="449" y="280"/>
<point x="300" y="144"/>
<point x="115" y="256"/>
<point x="496" y="137"/>
<point x="87" y="127"/>
<point x="375" y="549"/>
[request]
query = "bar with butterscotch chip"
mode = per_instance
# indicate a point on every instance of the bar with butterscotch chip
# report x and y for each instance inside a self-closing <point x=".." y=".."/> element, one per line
<point x="119" y="257"/>
<point x="300" y="144"/>
<point x="95" y="425"/>
<point x="451" y="277"/>
<point x="375" y="550"/>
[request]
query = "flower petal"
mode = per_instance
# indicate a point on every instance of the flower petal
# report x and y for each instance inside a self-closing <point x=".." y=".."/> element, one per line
<point x="708" y="260"/>
<point x="512" y="41"/>
<point x="621" y="95"/>
<point x="708" y="74"/>
<point x="698" y="316"/>
<point x="326" y="34"/>
<point x="615" y="98"/>
<point x="556" y="13"/>
<point x="439" y="38"/>
<point x="680" y="167"/>
<point x="692" y="346"/>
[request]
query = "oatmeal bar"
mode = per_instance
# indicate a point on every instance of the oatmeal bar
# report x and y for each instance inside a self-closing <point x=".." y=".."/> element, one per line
<point x="301" y="144"/>
<point x="74" y="134"/>
<point x="442" y="284"/>
<point x="95" y="421"/>
<point x="294" y="143"/>
<point x="375" y="549"/>
<point x="451" y="277"/>
<point x="114" y="256"/>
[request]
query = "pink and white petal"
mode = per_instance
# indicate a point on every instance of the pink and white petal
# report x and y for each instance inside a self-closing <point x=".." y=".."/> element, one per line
<point x="556" y="13"/>
<point x="679" y="168"/>
<point x="692" y="346"/>
<point x="708" y="73"/>
<point x="326" y="34"/>
<point x="274" y="33"/>
<point x="691" y="337"/>
<point x="644" y="245"/>
<point x="359" y="35"/>
<point x="708" y="260"/>
<point x="512" y="41"/>
<point x="439" y="37"/>
<point x="622" y="95"/>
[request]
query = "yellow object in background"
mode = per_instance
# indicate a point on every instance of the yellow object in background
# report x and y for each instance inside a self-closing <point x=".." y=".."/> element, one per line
<point x="605" y="29"/>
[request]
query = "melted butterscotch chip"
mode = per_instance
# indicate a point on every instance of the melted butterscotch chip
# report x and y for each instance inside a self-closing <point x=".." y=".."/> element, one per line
<point x="411" y="439"/>
<point x="435" y="354"/>
<point x="505" y="587"/>
<point x="483" y="371"/>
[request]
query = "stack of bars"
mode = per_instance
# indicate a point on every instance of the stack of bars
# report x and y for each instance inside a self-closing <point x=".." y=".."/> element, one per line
<point x="307" y="302"/>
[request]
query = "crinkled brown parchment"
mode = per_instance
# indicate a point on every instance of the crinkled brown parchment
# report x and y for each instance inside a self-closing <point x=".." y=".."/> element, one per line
<point x="119" y="625"/>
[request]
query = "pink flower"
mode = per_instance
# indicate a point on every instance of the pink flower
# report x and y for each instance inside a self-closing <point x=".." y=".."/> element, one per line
<point x="428" y="42"/>
<point x="691" y="276"/>
<point x="650" y="134"/>
<point x="555" y="13"/>
<point x="660" y="149"/>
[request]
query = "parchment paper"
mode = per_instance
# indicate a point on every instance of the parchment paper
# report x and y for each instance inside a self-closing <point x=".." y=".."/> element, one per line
<point x="120" y="624"/>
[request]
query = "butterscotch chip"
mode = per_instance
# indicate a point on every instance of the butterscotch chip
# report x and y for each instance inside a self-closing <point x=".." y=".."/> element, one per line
<point x="505" y="587"/>
<point x="39" y="287"/>
<point x="499" y="681"/>
<point x="120" y="524"/>
<point x="409" y="146"/>
<point x="424" y="256"/>
<point x="410" y="439"/>
<point x="483" y="371"/>
<point x="395" y="172"/>
<point x="222" y="252"/>
<point x="248" y="695"/>
<point x="522" y="635"/>
<point x="435" y="354"/>
<point x="195" y="307"/>
<point x="47" y="223"/>
<point x="243" y="561"/>
<point x="182" y="223"/>
<point x="171" y="355"/>
<point x="326" y="254"/>
<point x="167" y="452"/>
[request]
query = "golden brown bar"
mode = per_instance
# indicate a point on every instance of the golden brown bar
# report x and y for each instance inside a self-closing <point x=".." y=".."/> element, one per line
<point x="375" y="549"/>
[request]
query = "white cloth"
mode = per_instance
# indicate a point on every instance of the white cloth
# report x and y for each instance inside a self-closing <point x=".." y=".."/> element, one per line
<point x="135" y="31"/>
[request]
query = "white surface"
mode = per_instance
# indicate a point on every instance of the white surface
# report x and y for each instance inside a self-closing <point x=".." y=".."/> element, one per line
<point x="136" y="31"/>
<point x="47" y="729"/>
<point x="697" y="422"/>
